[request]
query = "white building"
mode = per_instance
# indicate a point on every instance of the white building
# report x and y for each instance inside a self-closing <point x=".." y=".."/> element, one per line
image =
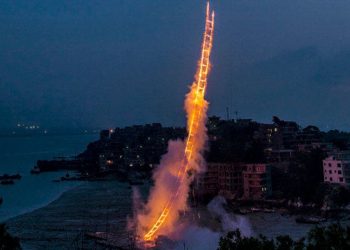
<point x="336" y="168"/>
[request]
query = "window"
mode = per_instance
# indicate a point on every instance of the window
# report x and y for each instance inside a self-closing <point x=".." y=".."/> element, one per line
<point x="325" y="178"/>
<point x="330" y="171"/>
<point x="329" y="165"/>
<point x="330" y="178"/>
<point x="341" y="179"/>
<point x="339" y="165"/>
<point x="339" y="171"/>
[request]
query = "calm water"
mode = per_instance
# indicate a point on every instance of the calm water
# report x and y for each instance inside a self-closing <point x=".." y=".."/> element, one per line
<point x="19" y="155"/>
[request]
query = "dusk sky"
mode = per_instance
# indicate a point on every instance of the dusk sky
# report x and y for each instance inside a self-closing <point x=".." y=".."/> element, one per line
<point x="115" y="63"/>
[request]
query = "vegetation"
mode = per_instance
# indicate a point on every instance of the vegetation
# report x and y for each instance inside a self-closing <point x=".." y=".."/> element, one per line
<point x="333" y="237"/>
<point x="303" y="179"/>
<point x="338" y="138"/>
<point x="233" y="142"/>
<point x="8" y="242"/>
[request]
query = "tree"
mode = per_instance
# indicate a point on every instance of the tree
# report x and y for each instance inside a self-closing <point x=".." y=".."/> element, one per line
<point x="234" y="241"/>
<point x="333" y="237"/>
<point x="304" y="178"/>
<point x="340" y="196"/>
<point x="8" y="242"/>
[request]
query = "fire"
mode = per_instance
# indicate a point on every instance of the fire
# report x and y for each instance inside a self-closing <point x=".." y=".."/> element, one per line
<point x="192" y="161"/>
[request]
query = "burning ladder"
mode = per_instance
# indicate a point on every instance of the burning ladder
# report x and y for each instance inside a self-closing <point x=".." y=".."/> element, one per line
<point x="199" y="101"/>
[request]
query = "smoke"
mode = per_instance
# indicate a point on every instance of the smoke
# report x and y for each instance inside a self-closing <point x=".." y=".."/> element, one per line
<point x="178" y="168"/>
<point x="195" y="237"/>
<point x="229" y="222"/>
<point x="202" y="238"/>
<point x="158" y="218"/>
<point x="197" y="162"/>
<point x="165" y="185"/>
<point x="165" y="177"/>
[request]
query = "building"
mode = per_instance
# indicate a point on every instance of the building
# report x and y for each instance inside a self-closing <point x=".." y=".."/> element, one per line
<point x="106" y="163"/>
<point x="221" y="179"/>
<point x="307" y="148"/>
<point x="279" y="155"/>
<point x="309" y="139"/>
<point x="256" y="181"/>
<point x="336" y="168"/>
<point x="287" y="132"/>
<point x="268" y="135"/>
<point x="235" y="180"/>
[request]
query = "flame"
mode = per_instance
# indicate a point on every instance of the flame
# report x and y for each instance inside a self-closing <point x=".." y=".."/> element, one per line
<point x="192" y="161"/>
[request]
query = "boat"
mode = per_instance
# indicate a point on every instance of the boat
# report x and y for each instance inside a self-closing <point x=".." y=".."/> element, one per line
<point x="4" y="177"/>
<point x="10" y="177"/>
<point x="7" y="182"/>
<point x="35" y="170"/>
<point x="15" y="177"/>
<point x="309" y="220"/>
<point x="18" y="176"/>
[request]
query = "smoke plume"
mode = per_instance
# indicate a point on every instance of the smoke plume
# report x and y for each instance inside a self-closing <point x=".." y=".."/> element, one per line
<point x="177" y="169"/>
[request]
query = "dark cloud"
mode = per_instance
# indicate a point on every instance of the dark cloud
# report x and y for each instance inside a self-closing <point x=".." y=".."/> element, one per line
<point x="109" y="63"/>
<point x="301" y="85"/>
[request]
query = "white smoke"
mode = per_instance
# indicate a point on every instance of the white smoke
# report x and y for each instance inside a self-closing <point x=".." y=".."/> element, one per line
<point x="194" y="237"/>
<point x="165" y="185"/>
<point x="229" y="222"/>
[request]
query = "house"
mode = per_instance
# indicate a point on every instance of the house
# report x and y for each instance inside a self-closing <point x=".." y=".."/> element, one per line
<point x="256" y="181"/>
<point x="336" y="168"/>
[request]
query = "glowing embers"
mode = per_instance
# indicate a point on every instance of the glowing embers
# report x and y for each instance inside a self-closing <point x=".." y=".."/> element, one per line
<point x="196" y="112"/>
<point x="156" y="226"/>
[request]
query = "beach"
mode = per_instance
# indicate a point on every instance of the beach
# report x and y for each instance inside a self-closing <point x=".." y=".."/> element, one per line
<point x="90" y="207"/>
<point x="104" y="206"/>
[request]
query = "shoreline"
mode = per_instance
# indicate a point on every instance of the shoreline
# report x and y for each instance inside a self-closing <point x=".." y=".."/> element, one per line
<point x="32" y="192"/>
<point x="104" y="206"/>
<point x="90" y="207"/>
<point x="98" y="206"/>
<point x="45" y="204"/>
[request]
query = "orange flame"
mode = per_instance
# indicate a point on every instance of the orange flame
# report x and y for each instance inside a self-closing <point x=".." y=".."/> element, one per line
<point x="196" y="107"/>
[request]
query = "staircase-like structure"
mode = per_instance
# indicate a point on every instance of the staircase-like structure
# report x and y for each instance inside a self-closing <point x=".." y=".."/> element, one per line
<point x="195" y="118"/>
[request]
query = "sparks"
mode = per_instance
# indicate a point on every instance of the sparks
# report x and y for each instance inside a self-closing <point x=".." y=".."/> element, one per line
<point x="195" y="120"/>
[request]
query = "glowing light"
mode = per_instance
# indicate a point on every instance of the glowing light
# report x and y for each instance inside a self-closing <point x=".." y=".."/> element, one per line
<point x="196" y="106"/>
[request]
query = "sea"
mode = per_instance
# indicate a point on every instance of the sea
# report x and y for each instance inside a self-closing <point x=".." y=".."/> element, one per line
<point x="19" y="154"/>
